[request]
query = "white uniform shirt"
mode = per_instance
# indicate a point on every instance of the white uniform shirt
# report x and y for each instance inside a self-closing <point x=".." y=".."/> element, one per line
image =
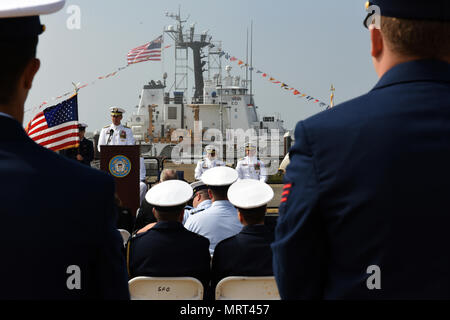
<point x="251" y="168"/>
<point x="218" y="222"/>
<point x="205" y="204"/>
<point x="121" y="136"/>
<point x="206" y="164"/>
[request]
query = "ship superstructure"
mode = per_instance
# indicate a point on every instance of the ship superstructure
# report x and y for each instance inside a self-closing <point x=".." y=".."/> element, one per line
<point x="220" y="103"/>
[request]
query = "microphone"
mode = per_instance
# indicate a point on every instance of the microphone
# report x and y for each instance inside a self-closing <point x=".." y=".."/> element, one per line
<point x="111" y="132"/>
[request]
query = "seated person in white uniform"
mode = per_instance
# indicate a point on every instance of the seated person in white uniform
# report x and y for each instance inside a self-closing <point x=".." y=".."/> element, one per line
<point x="220" y="221"/>
<point x="210" y="161"/>
<point x="200" y="200"/>
<point x="250" y="167"/>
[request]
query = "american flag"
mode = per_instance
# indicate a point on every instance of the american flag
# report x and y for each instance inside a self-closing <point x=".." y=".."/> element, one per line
<point x="148" y="52"/>
<point x="56" y="127"/>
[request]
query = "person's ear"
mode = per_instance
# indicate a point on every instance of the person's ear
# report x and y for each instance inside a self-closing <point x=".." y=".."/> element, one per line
<point x="241" y="219"/>
<point x="30" y="71"/>
<point x="377" y="43"/>
<point x="210" y="194"/>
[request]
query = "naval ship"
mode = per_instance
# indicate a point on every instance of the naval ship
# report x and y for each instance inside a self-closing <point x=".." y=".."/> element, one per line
<point x="221" y="107"/>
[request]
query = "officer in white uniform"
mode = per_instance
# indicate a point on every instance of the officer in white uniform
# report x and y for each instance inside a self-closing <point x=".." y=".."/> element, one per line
<point x="200" y="201"/>
<point x="250" y="167"/>
<point x="220" y="221"/>
<point x="116" y="134"/>
<point x="210" y="161"/>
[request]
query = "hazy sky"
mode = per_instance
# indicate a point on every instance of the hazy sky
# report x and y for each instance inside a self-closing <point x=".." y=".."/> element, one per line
<point x="308" y="44"/>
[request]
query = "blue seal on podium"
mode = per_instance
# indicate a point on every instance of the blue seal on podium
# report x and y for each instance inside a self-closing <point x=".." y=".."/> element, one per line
<point x="119" y="166"/>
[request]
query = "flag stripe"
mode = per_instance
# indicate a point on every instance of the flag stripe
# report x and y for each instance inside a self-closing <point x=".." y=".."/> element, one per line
<point x="63" y="144"/>
<point x="54" y="134"/>
<point x="58" y="139"/>
<point x="150" y="51"/>
<point x="57" y="129"/>
<point x="37" y="127"/>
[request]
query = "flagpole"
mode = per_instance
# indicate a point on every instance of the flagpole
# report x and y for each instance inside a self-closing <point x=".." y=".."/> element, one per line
<point x="246" y="62"/>
<point x="162" y="54"/>
<point x="251" y="63"/>
<point x="332" y="96"/>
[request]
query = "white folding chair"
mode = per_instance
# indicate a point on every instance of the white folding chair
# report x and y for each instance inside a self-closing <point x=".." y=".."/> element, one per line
<point x="125" y="235"/>
<point x="165" y="288"/>
<point x="247" y="288"/>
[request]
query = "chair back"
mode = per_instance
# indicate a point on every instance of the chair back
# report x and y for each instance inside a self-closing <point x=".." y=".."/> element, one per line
<point x="165" y="288"/>
<point x="247" y="288"/>
<point x="125" y="235"/>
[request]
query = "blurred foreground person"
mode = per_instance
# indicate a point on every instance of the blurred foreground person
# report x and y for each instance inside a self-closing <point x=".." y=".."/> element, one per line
<point x="61" y="242"/>
<point x="365" y="210"/>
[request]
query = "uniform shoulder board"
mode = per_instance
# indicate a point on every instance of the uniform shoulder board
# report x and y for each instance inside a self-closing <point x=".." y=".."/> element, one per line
<point x="126" y="127"/>
<point x="241" y="159"/>
<point x="196" y="211"/>
<point x="107" y="126"/>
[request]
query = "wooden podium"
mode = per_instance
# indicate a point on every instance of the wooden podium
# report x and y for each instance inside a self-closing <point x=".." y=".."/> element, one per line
<point x="122" y="162"/>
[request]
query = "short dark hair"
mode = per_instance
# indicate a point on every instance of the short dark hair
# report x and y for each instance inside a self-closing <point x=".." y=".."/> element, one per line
<point x="219" y="192"/>
<point x="255" y="215"/>
<point x="15" y="54"/>
<point x="169" y="213"/>
<point x="417" y="38"/>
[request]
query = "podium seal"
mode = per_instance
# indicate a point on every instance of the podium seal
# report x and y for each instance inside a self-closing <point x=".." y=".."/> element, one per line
<point x="120" y="166"/>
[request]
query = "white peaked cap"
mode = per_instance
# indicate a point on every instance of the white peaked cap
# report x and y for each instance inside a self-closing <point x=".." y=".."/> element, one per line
<point x="26" y="8"/>
<point x="219" y="176"/>
<point x="116" y="110"/>
<point x="169" y="193"/>
<point x="250" y="193"/>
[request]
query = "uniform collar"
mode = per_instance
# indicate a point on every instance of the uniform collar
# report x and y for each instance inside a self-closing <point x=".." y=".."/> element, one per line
<point x="168" y="225"/>
<point x="2" y="114"/>
<point x="413" y="71"/>
<point x="204" y="204"/>
<point x="255" y="229"/>
<point x="116" y="127"/>
<point x="221" y="203"/>
<point x="11" y="129"/>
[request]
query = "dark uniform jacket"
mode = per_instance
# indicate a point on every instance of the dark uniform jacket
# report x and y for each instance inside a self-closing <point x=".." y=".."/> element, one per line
<point x="368" y="185"/>
<point x="58" y="225"/>
<point x="246" y="254"/>
<point x="86" y="150"/>
<point x="170" y="250"/>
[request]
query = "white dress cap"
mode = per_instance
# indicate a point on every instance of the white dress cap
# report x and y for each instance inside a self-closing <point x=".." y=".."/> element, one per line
<point x="219" y="176"/>
<point x="210" y="149"/>
<point x="26" y="8"/>
<point x="250" y="193"/>
<point x="116" y="110"/>
<point x="82" y="125"/>
<point x="169" y="193"/>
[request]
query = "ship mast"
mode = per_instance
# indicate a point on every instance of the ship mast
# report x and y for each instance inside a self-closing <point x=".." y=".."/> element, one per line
<point x="196" y="42"/>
